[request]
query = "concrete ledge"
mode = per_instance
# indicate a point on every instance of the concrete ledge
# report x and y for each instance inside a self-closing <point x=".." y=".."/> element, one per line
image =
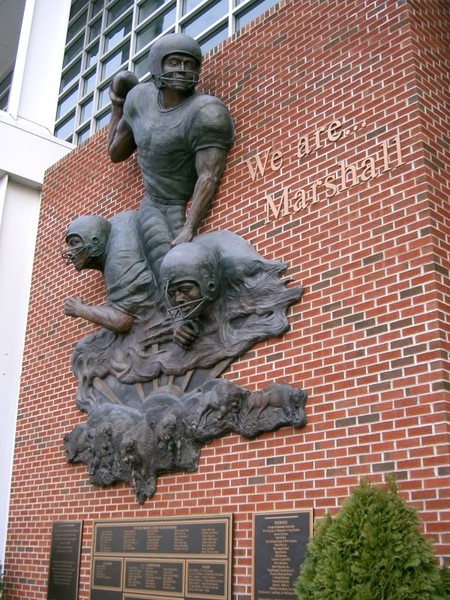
<point x="28" y="150"/>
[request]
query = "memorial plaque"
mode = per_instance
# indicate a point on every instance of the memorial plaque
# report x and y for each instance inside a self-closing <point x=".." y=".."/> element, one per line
<point x="64" y="568"/>
<point x="107" y="573"/>
<point x="279" y="548"/>
<point x="174" y="559"/>
<point x="207" y="580"/>
<point x="158" y="576"/>
<point x="163" y="538"/>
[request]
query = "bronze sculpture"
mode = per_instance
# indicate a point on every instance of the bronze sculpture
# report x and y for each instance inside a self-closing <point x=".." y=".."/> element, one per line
<point x="180" y="307"/>
<point x="114" y="248"/>
<point x="181" y="137"/>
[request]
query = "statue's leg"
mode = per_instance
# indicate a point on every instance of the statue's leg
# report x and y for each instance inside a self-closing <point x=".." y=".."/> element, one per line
<point x="154" y="231"/>
<point x="175" y="218"/>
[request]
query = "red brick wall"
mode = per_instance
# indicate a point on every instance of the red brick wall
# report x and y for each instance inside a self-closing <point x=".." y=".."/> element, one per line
<point x="430" y="37"/>
<point x="370" y="338"/>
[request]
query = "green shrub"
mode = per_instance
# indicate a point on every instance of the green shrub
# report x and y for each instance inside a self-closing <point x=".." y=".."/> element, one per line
<point x="445" y="582"/>
<point x="372" y="550"/>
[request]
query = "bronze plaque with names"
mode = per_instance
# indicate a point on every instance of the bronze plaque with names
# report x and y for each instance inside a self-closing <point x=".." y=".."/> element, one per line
<point x="64" y="567"/>
<point x="279" y="548"/>
<point x="162" y="558"/>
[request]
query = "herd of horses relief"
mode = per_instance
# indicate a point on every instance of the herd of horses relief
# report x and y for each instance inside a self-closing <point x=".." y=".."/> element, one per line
<point x="180" y="307"/>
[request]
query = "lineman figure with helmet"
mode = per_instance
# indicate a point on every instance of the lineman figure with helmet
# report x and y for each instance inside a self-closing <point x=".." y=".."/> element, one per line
<point x="182" y="138"/>
<point x="112" y="247"/>
<point x="224" y="296"/>
<point x="191" y="278"/>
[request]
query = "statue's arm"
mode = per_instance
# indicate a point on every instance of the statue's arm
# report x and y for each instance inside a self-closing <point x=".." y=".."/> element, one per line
<point x="106" y="316"/>
<point x="121" y="144"/>
<point x="210" y="164"/>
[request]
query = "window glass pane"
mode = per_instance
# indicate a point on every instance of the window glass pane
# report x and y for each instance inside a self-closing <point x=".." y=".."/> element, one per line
<point x="92" y="55"/>
<point x="103" y="120"/>
<point x="70" y="75"/>
<point x="76" y="7"/>
<point x="95" y="29"/>
<point x="88" y="83"/>
<point x="67" y="103"/>
<point x="118" y="9"/>
<point x="97" y="6"/>
<point x="214" y="39"/>
<point x="4" y="100"/>
<point x="117" y="34"/>
<point x="155" y="27"/>
<point x="6" y="82"/>
<point x="149" y="7"/>
<point x="189" y="5"/>
<point x="5" y="88"/>
<point x="73" y="50"/>
<point x="64" y="130"/>
<point x="103" y="98"/>
<point x="141" y="66"/>
<point x="77" y="26"/>
<point x="84" y="134"/>
<point x="113" y="63"/>
<point x="86" y="110"/>
<point x="206" y="17"/>
<point x="252" y="12"/>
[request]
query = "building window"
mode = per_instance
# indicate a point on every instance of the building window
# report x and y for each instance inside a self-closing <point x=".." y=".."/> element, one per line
<point x="107" y="36"/>
<point x="5" y="88"/>
<point x="203" y="20"/>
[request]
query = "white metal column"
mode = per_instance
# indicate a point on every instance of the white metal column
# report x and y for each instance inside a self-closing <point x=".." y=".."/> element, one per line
<point x="27" y="150"/>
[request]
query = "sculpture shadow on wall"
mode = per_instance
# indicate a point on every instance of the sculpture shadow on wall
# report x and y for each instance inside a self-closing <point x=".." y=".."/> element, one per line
<point x="180" y="307"/>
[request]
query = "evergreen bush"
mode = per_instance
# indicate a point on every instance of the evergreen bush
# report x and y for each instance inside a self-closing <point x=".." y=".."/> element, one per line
<point x="444" y="573"/>
<point x="372" y="550"/>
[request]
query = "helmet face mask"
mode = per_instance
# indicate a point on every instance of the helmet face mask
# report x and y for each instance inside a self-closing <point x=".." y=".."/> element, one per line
<point x="190" y="276"/>
<point x="77" y="253"/>
<point x="187" y="310"/>
<point x="175" y="44"/>
<point x="184" y="300"/>
<point x="86" y="238"/>
<point x="174" y="79"/>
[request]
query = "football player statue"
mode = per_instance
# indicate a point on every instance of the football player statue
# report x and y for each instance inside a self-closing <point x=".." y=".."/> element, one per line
<point x="181" y="136"/>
